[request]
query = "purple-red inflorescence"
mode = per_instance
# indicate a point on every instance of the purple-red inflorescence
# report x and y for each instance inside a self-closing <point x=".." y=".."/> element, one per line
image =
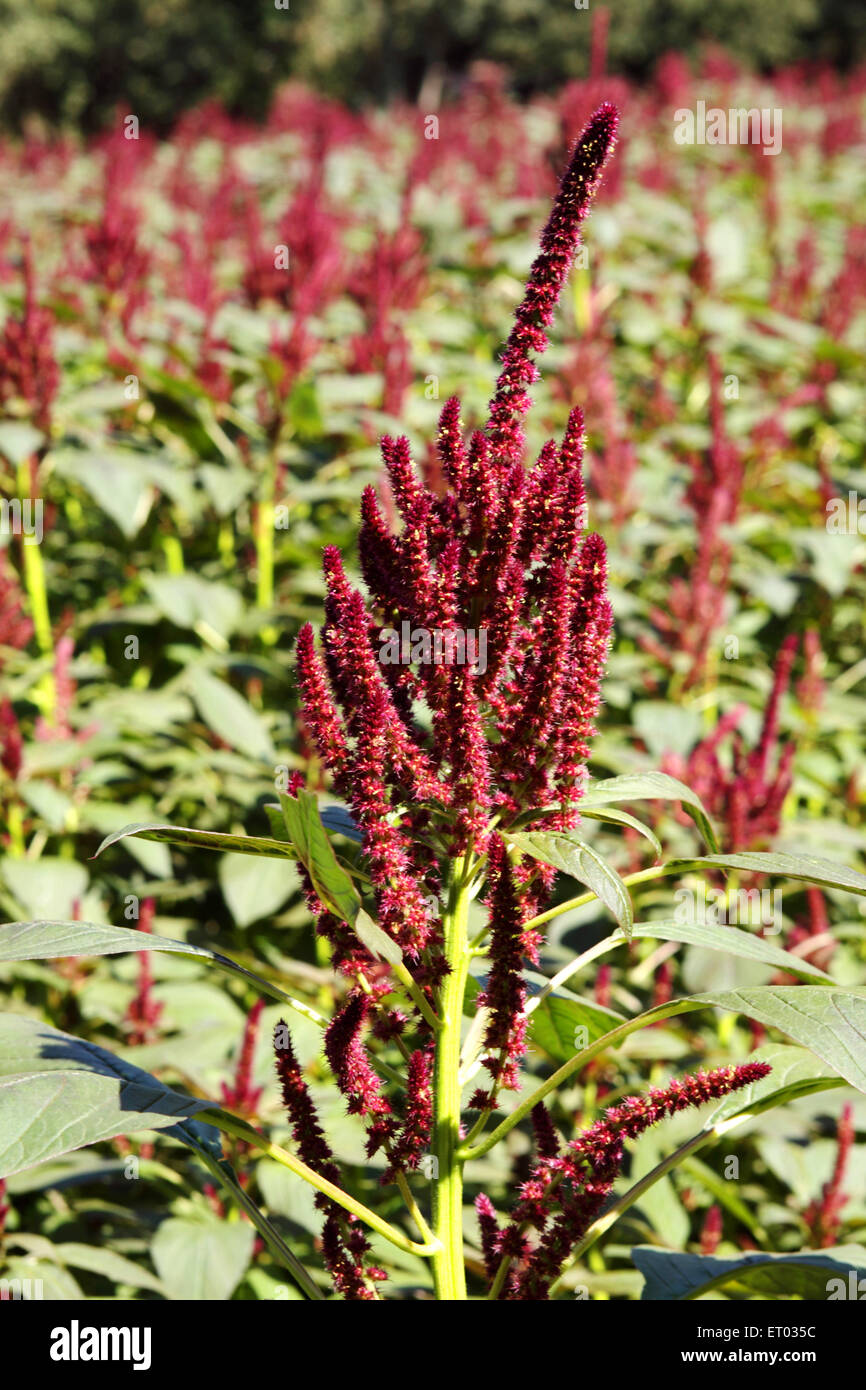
<point x="567" y="1189"/>
<point x="488" y="606"/>
<point x="28" y="368"/>
<point x="462" y="690"/>
<point x="242" y="1096"/>
<point x="144" y="1011"/>
<point x="344" y="1243"/>
<point x="824" y="1216"/>
<point x="747" y="798"/>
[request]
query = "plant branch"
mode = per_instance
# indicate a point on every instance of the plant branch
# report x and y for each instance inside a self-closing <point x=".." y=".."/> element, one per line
<point x="230" y="1124"/>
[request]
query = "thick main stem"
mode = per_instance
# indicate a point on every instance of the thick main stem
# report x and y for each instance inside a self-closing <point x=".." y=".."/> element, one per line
<point x="448" y="1266"/>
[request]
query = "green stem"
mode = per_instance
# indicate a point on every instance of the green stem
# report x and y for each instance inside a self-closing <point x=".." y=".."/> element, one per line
<point x="449" y="1272"/>
<point x="37" y="594"/>
<point x="643" y="876"/>
<point x="413" y="1208"/>
<point x="230" y="1124"/>
<point x="265" y="517"/>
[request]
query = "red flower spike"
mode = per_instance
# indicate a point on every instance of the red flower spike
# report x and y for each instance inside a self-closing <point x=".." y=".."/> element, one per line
<point x="489" y="1228"/>
<point x="564" y="1195"/>
<point x="349" y="1061"/>
<point x="559" y="243"/>
<point x="242" y="1096"/>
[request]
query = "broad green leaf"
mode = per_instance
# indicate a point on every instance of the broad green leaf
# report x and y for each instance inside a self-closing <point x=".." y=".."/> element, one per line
<point x="95" y="1259"/>
<point x="54" y="940"/>
<point x="118" y="480"/>
<point x="59" y="1093"/>
<point x="40" y="1280"/>
<point x="735" y="941"/>
<point x="800" y="866"/>
<point x="202" y="839"/>
<point x="616" y="817"/>
<point x="229" y="715"/>
<point x="567" y="851"/>
<point x="18" y="440"/>
<point x="333" y="885"/>
<point x="830" y="1022"/>
<point x="201" y="1258"/>
<point x="650" y="786"/>
<point x="819" y="1275"/>
<point x="564" y="1023"/>
<point x="45" y="887"/>
<point x="187" y="600"/>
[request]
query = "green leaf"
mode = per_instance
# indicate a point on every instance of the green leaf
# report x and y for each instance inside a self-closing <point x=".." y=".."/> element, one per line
<point x="189" y="601"/>
<point x="229" y="715"/>
<point x="54" y="940"/>
<point x="202" y="839"/>
<point x="98" y="1260"/>
<point x="651" y="786"/>
<point x="118" y="480"/>
<point x="59" y="1093"/>
<point x="567" y="851"/>
<point x="50" y="1281"/>
<point x="555" y="1024"/>
<point x="377" y="942"/>
<point x="830" y="1022"/>
<point x="45" y="887"/>
<point x="333" y="885"/>
<point x="18" y="440"/>
<point x="819" y="1275"/>
<point x="734" y="941"/>
<point x="254" y="891"/>
<point x="42" y="940"/>
<point x="800" y="866"/>
<point x="611" y="817"/>
<point x="201" y="1258"/>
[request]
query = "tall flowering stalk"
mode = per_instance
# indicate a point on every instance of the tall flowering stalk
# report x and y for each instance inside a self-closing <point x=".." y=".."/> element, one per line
<point x="500" y="555"/>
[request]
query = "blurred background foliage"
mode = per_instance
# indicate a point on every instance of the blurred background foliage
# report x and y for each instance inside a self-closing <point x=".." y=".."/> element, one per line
<point x="70" y="62"/>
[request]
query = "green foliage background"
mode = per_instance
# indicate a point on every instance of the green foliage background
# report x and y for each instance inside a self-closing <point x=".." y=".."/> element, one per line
<point x="73" y="61"/>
